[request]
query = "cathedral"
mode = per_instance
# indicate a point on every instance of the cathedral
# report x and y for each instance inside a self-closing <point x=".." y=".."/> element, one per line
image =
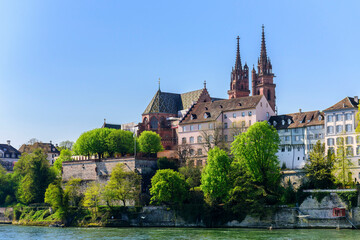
<point x="166" y="111"/>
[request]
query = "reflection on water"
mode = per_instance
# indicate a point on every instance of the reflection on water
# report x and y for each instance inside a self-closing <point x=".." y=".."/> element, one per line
<point x="25" y="232"/>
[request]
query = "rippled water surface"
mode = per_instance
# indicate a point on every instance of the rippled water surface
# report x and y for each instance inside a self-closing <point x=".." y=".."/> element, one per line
<point x="25" y="232"/>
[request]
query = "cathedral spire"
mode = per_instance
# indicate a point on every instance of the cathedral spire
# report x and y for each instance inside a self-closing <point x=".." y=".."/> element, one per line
<point x="263" y="55"/>
<point x="238" y="58"/>
<point x="264" y="65"/>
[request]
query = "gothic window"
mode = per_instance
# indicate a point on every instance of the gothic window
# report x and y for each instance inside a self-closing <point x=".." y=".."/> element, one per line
<point x="268" y="95"/>
<point x="154" y="123"/>
<point x="145" y="120"/>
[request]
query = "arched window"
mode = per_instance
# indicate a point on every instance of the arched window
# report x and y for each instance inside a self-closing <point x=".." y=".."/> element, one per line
<point x="163" y="122"/>
<point x="145" y="120"/>
<point x="268" y="94"/>
<point x="154" y="123"/>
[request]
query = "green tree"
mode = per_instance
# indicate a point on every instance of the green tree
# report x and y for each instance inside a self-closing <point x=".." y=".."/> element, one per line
<point x="320" y="167"/>
<point x="358" y="120"/>
<point x="150" y="142"/>
<point x="65" y="155"/>
<point x="192" y="175"/>
<point x="123" y="185"/>
<point x="92" y="198"/>
<point x="120" y="141"/>
<point x="73" y="192"/>
<point x="343" y="163"/>
<point x="34" y="173"/>
<point x="7" y="187"/>
<point x="54" y="195"/>
<point x="93" y="142"/>
<point x="168" y="186"/>
<point x="215" y="182"/>
<point x="256" y="150"/>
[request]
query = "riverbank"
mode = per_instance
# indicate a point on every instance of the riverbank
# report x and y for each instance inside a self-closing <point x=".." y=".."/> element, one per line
<point x="312" y="213"/>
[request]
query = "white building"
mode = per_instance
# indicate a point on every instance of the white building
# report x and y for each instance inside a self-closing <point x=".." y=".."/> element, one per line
<point x="8" y="156"/>
<point x="340" y="123"/>
<point x="219" y="121"/>
<point x="298" y="133"/>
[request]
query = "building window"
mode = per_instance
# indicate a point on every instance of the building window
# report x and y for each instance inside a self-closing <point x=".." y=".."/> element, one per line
<point x="243" y="114"/>
<point x="199" y="139"/>
<point x="330" y="129"/>
<point x="267" y="114"/>
<point x="211" y="126"/>
<point x="330" y="142"/>
<point x="339" y="141"/>
<point x="339" y="128"/>
<point x="349" y="140"/>
<point x="199" y="152"/>
<point x="199" y="162"/>
<point x="225" y="138"/>
<point x="154" y="123"/>
<point x="184" y="128"/>
<point x="348" y="116"/>
<point x="331" y="150"/>
<point x="249" y="113"/>
<point x="330" y="118"/>
<point x="191" y="128"/>
<point x="339" y="117"/>
<point x="298" y="148"/>
<point x="310" y="136"/>
<point x="225" y="125"/>
<point x="183" y="140"/>
<point x="349" y="151"/>
<point x="211" y="138"/>
<point x="289" y="148"/>
<point x="225" y="116"/>
<point x="191" y="139"/>
<point x="297" y="138"/>
<point x="358" y="151"/>
<point x="242" y="123"/>
<point x="249" y="123"/>
<point x="287" y="138"/>
<point x="199" y="126"/>
<point x="192" y="152"/>
<point x="348" y="127"/>
<point x="358" y="139"/>
<point x="282" y="149"/>
<point x="286" y="130"/>
<point x="234" y="115"/>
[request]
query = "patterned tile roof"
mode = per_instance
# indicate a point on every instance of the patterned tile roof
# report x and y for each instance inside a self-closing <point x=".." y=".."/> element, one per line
<point x="297" y="120"/>
<point x="164" y="102"/>
<point x="209" y="111"/>
<point x="347" y="102"/>
<point x="47" y="147"/>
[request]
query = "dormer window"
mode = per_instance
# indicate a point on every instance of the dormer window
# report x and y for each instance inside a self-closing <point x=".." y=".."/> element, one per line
<point x="274" y="123"/>
<point x="320" y="118"/>
<point x="207" y="115"/>
<point x="240" y="104"/>
<point x="289" y="121"/>
<point x="193" y="116"/>
<point x="221" y="106"/>
<point x="282" y="122"/>
<point x="206" y="108"/>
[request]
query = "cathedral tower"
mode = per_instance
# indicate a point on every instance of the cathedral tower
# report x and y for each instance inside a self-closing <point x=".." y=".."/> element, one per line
<point x="239" y="84"/>
<point x="263" y="80"/>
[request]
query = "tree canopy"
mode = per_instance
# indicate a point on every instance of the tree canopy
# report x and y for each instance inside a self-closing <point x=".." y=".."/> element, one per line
<point x="256" y="150"/>
<point x="168" y="186"/>
<point x="65" y="155"/>
<point x="342" y="163"/>
<point x="35" y="175"/>
<point x="120" y="141"/>
<point x="320" y="167"/>
<point x="150" y="142"/>
<point x="215" y="181"/>
<point x="123" y="185"/>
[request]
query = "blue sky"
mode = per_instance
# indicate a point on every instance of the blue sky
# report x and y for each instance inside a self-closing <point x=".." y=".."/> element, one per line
<point x="67" y="65"/>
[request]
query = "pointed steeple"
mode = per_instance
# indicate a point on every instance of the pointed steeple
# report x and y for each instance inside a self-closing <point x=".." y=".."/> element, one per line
<point x="238" y="58"/>
<point x="263" y="55"/>
<point x="264" y="65"/>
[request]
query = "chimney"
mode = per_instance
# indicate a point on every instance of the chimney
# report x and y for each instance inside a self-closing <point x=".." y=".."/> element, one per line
<point x="300" y="110"/>
<point x="356" y="99"/>
<point x="50" y="142"/>
<point x="8" y="142"/>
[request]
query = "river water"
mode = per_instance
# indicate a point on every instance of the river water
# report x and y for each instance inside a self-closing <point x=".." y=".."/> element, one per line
<point x="26" y="232"/>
